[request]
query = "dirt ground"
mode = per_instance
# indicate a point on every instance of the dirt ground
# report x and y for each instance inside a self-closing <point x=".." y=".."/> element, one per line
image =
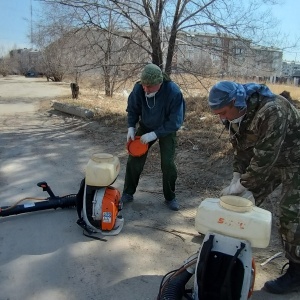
<point x="43" y="255"/>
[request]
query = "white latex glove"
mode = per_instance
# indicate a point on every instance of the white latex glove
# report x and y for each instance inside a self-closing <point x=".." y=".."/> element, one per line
<point x="236" y="188"/>
<point x="235" y="178"/>
<point x="130" y="133"/>
<point x="248" y="195"/>
<point x="148" y="137"/>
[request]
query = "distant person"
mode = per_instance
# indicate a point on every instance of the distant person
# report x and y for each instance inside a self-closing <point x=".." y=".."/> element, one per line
<point x="157" y="105"/>
<point x="264" y="130"/>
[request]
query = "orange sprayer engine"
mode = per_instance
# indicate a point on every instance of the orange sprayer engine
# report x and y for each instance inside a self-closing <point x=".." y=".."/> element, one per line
<point x="108" y="213"/>
<point x="101" y="205"/>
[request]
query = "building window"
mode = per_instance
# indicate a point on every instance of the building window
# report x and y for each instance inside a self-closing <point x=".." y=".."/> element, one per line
<point x="215" y="41"/>
<point x="238" y="51"/>
<point x="214" y="57"/>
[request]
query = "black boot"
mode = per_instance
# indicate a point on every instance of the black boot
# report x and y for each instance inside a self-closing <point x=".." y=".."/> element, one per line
<point x="287" y="283"/>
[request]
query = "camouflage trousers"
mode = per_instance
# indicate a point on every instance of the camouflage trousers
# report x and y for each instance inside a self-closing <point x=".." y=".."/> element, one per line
<point x="289" y="206"/>
<point x="290" y="213"/>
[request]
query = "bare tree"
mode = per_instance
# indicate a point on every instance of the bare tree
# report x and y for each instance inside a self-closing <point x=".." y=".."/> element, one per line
<point x="52" y="35"/>
<point x="70" y="44"/>
<point x="103" y="50"/>
<point x="160" y="22"/>
<point x="12" y="62"/>
<point x="4" y="63"/>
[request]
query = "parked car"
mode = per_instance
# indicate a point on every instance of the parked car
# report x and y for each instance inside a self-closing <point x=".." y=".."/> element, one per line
<point x="33" y="74"/>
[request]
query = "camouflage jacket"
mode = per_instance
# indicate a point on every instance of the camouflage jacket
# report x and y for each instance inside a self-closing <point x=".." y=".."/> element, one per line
<point x="268" y="138"/>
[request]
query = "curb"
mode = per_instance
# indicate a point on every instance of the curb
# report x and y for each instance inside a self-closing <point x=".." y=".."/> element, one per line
<point x="72" y="109"/>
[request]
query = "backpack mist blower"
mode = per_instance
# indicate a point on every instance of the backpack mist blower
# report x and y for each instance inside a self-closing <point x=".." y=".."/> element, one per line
<point x="223" y="268"/>
<point x="97" y="202"/>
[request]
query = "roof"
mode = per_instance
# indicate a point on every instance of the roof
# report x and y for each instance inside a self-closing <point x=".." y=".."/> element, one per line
<point x="296" y="74"/>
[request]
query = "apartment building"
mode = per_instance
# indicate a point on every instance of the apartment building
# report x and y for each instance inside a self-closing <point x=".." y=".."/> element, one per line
<point x="289" y="68"/>
<point x="223" y="55"/>
<point x="24" y="60"/>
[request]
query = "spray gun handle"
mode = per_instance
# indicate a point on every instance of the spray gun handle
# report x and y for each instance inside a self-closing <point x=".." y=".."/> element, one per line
<point x="44" y="185"/>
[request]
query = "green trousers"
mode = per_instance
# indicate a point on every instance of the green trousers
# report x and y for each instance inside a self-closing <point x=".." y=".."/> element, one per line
<point x="135" y="166"/>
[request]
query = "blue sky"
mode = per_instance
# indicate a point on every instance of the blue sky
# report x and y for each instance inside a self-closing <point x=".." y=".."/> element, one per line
<point x="14" y="28"/>
<point x="288" y="15"/>
<point x="15" y="17"/>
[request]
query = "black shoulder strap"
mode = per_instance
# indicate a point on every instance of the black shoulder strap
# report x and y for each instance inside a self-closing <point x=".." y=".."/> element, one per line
<point x="79" y="198"/>
<point x="87" y="229"/>
<point x="201" y="268"/>
<point x="226" y="293"/>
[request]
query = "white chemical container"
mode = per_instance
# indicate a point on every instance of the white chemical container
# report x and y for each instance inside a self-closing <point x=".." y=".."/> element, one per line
<point x="102" y="170"/>
<point x="236" y="217"/>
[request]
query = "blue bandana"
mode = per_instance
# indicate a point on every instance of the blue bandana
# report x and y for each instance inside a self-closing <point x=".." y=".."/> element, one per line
<point x="222" y="93"/>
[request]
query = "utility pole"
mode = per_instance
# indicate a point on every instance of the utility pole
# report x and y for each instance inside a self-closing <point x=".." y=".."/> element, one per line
<point x="31" y="41"/>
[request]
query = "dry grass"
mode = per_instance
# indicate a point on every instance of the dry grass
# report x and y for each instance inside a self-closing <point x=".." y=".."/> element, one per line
<point x="294" y="90"/>
<point x="201" y="129"/>
<point x="199" y="144"/>
<point x="204" y="152"/>
<point x="107" y="110"/>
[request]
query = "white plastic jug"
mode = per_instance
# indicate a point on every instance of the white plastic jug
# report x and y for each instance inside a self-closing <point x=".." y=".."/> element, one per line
<point x="102" y="170"/>
<point x="236" y="217"/>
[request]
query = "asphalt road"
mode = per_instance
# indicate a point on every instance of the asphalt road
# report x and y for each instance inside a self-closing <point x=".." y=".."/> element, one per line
<point x="44" y="255"/>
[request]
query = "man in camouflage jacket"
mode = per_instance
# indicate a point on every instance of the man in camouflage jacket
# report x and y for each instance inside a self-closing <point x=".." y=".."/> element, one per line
<point x="265" y="134"/>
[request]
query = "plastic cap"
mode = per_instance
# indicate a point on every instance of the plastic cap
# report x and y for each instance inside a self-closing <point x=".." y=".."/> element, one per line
<point x="136" y="148"/>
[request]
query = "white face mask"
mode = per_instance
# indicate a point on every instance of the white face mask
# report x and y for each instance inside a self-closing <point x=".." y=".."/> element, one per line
<point x="237" y="120"/>
<point x="150" y="95"/>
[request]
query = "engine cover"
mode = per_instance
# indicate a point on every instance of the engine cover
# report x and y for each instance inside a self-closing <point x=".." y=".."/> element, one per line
<point x="101" y="207"/>
<point x="106" y="206"/>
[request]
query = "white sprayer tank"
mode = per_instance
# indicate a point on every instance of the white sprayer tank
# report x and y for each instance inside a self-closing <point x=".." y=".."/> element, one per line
<point x="102" y="170"/>
<point x="236" y="217"/>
